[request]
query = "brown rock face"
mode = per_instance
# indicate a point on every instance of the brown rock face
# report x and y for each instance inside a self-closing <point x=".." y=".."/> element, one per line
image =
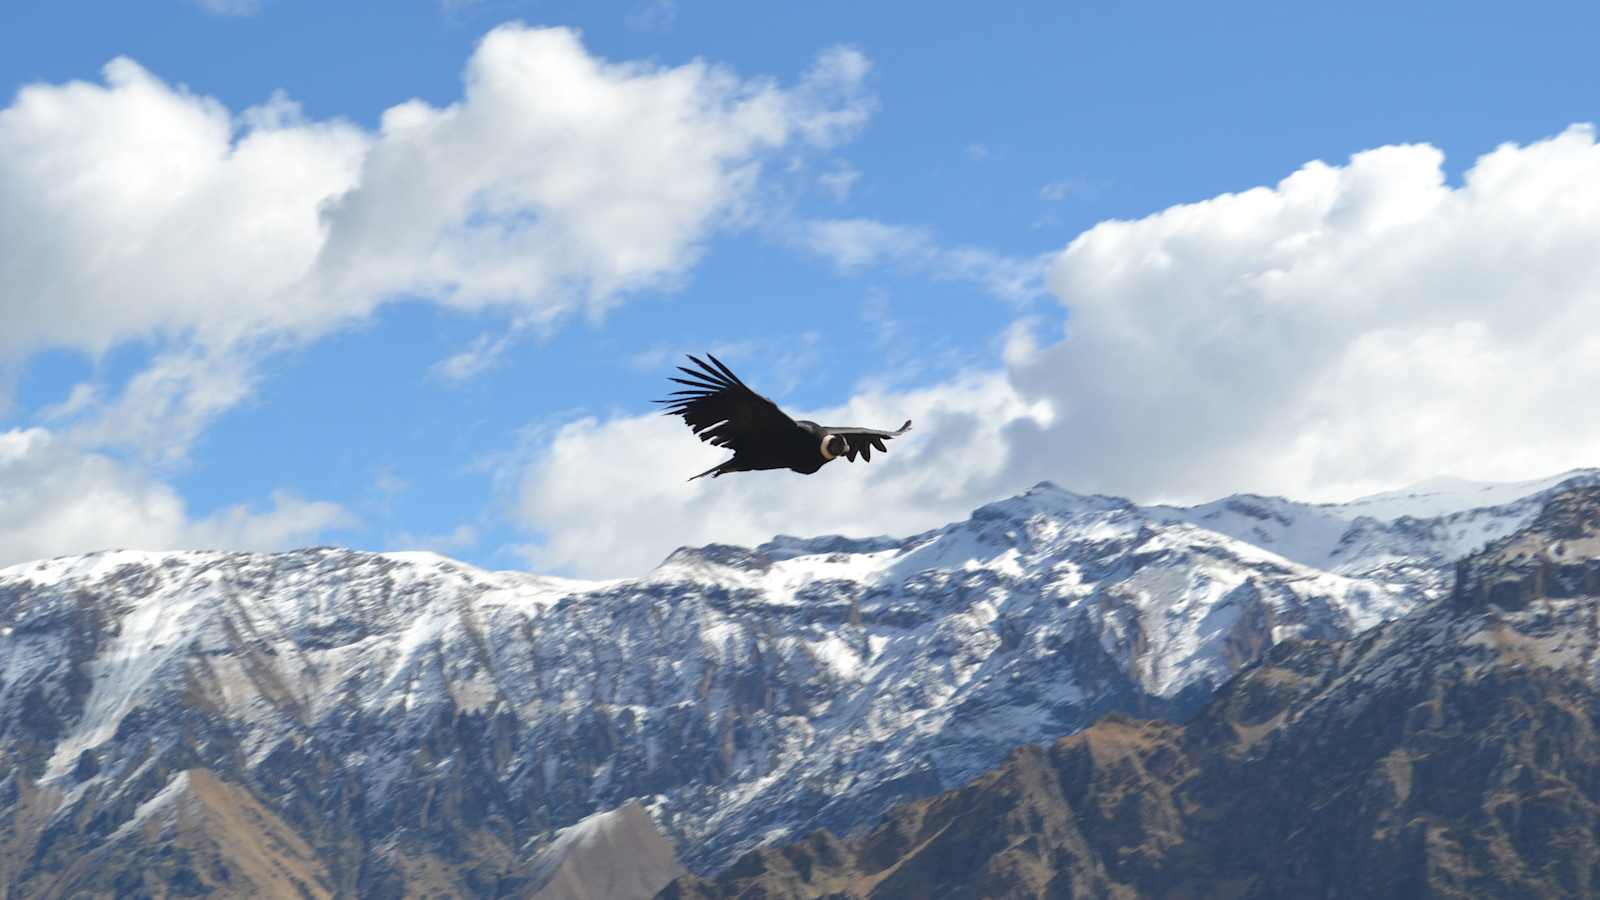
<point x="618" y="855"/>
<point x="1452" y="753"/>
<point x="199" y="835"/>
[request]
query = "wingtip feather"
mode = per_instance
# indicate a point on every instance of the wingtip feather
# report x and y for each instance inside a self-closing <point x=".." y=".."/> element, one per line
<point x="725" y="370"/>
<point x="710" y="373"/>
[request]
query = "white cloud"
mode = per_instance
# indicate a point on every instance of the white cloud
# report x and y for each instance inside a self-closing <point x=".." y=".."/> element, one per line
<point x="856" y="244"/>
<point x="1352" y="328"/>
<point x="58" y="499"/>
<point x="830" y="105"/>
<point x="560" y="182"/>
<point x="136" y="211"/>
<point x="587" y="488"/>
<point x="164" y="408"/>
<point x="482" y="355"/>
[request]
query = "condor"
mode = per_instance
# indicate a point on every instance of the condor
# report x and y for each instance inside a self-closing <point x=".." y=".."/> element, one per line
<point x="725" y="413"/>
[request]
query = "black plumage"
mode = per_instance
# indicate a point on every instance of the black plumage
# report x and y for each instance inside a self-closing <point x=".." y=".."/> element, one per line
<point x="724" y="412"/>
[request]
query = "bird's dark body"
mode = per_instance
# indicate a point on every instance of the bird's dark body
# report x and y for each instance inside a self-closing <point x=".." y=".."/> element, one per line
<point x="799" y="452"/>
<point x="724" y="412"/>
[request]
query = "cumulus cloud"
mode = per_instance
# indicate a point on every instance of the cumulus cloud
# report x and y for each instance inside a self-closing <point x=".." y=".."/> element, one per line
<point x="57" y="498"/>
<point x="1349" y="329"/>
<point x="610" y="497"/>
<point x="132" y="211"/>
<point x="561" y="180"/>
<point x="135" y="211"/>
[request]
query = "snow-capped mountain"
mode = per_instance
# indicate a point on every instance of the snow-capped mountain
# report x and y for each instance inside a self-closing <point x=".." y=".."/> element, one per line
<point x="1408" y="533"/>
<point x="1449" y="753"/>
<point x="416" y="723"/>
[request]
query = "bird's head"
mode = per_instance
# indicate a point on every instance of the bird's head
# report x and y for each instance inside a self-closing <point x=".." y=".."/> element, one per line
<point x="833" y="445"/>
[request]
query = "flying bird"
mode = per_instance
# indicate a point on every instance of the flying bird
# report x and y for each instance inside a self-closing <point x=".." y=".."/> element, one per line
<point x="725" y="413"/>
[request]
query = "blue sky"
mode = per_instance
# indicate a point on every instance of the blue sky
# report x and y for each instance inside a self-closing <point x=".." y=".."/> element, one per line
<point x="899" y="246"/>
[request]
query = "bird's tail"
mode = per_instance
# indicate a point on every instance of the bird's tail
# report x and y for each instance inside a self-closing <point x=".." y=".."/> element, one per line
<point x="714" y="471"/>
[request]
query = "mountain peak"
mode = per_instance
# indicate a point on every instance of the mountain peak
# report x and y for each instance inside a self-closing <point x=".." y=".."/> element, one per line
<point x="730" y="556"/>
<point x="1052" y="500"/>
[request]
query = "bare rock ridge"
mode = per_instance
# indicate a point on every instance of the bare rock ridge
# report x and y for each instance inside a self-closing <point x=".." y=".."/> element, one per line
<point x="1450" y="753"/>
<point x="615" y="855"/>
<point x="401" y="723"/>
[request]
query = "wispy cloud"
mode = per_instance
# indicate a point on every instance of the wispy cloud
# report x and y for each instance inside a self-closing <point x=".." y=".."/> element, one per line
<point x="652" y="15"/>
<point x="484" y="354"/>
<point x="230" y="7"/>
<point x="840" y="180"/>
<point x="459" y="539"/>
<point x="856" y="244"/>
<point x="790" y="357"/>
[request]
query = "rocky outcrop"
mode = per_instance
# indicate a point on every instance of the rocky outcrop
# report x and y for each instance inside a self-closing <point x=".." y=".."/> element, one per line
<point x="614" y="855"/>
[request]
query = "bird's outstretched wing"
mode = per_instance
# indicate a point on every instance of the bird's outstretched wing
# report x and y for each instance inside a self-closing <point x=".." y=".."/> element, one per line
<point x="723" y="411"/>
<point x="864" y="440"/>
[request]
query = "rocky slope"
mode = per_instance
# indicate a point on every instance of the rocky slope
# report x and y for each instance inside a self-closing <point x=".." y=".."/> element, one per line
<point x="403" y="722"/>
<point x="614" y="855"/>
<point x="1451" y="753"/>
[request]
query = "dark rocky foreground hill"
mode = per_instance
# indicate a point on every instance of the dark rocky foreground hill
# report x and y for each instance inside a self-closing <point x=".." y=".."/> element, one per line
<point x="1451" y="753"/>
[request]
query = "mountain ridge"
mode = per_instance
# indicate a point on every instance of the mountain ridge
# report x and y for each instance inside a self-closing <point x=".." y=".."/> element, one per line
<point x="1450" y="752"/>
<point x="461" y="717"/>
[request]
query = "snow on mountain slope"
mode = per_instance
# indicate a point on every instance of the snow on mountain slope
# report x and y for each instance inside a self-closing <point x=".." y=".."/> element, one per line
<point x="1427" y="524"/>
<point x="1445" y="496"/>
<point x="1448" y="753"/>
<point x="409" y="700"/>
